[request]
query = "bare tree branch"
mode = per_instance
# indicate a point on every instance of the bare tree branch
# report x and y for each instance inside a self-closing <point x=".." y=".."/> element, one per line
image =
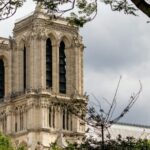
<point x="143" y="6"/>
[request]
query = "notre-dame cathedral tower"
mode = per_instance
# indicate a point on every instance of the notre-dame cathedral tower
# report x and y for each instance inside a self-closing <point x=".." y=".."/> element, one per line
<point x="43" y="61"/>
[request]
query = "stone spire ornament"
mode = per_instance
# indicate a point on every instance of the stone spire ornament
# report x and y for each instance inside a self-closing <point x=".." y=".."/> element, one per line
<point x="38" y="8"/>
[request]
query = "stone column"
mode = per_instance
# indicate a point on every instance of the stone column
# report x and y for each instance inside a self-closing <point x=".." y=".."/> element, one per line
<point x="24" y="119"/>
<point x="69" y="67"/>
<point x="8" y="76"/>
<point x="9" y="120"/>
<point x="30" y="114"/>
<point x="28" y="65"/>
<point x="76" y="69"/>
<point x="81" y="47"/>
<point x="55" y="67"/>
<point x="15" y="71"/>
<point x="21" y="70"/>
<point x="43" y="63"/>
<point x="82" y="72"/>
<point x="31" y="71"/>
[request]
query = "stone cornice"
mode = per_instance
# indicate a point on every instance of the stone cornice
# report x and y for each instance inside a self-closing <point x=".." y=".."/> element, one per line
<point x="49" y="130"/>
<point x="30" y="23"/>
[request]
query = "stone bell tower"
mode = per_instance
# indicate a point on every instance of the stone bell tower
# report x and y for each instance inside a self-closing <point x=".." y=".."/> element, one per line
<point x="43" y="62"/>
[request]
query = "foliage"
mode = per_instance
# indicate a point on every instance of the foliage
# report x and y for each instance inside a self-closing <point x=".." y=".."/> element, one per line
<point x="5" y="143"/>
<point x="21" y="148"/>
<point x="71" y="146"/>
<point x="8" y="7"/>
<point x="81" y="11"/>
<point x="129" y="143"/>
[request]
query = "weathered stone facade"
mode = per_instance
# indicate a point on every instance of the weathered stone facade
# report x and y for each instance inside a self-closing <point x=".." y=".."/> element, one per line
<point x="27" y="112"/>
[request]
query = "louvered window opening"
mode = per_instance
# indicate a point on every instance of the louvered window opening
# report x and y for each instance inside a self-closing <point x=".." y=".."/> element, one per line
<point x="48" y="63"/>
<point x="24" y="63"/>
<point x="62" y="68"/>
<point x="2" y="75"/>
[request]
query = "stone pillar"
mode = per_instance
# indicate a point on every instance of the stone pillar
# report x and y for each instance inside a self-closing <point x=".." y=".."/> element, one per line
<point x="43" y="63"/>
<point x="24" y="119"/>
<point x="81" y="47"/>
<point x="42" y="117"/>
<point x="55" y="67"/>
<point x="82" y="72"/>
<point x="30" y="115"/>
<point x="76" y="69"/>
<point x="28" y="65"/>
<point x="69" y="67"/>
<point x="57" y="118"/>
<point x="31" y="70"/>
<point x="79" y="68"/>
<point x="15" y="71"/>
<point x="20" y="71"/>
<point x="8" y="76"/>
<point x="9" y="120"/>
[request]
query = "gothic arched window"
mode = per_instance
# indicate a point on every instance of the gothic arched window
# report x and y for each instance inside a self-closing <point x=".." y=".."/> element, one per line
<point x="64" y="119"/>
<point x="2" y="78"/>
<point x="24" y="63"/>
<point x="50" y="117"/>
<point x="53" y="117"/>
<point x="48" y="63"/>
<point x="16" y="119"/>
<point x="62" y="68"/>
<point x="67" y="120"/>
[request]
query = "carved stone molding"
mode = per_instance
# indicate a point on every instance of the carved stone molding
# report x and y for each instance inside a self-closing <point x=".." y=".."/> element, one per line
<point x="4" y="46"/>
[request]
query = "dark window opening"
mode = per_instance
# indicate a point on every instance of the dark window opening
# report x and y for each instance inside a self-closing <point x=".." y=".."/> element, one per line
<point x="62" y="68"/>
<point x="70" y="122"/>
<point x="64" y="122"/>
<point x="24" y="63"/>
<point x="2" y="75"/>
<point x="15" y="126"/>
<point x="50" y="118"/>
<point x="53" y="117"/>
<point x="21" y="120"/>
<point x="48" y="63"/>
<point x="67" y="120"/>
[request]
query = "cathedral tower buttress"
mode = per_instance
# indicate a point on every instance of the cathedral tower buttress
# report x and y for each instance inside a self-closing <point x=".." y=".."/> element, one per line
<point x="45" y="62"/>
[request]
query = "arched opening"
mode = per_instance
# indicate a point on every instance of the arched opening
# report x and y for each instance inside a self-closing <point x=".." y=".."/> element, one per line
<point x="24" y="63"/>
<point x="48" y="63"/>
<point x="62" y="68"/>
<point x="64" y="119"/>
<point x="52" y="116"/>
<point x="2" y="79"/>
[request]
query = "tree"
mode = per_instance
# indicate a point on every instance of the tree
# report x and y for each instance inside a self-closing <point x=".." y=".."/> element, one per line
<point x="96" y="116"/>
<point x="6" y="143"/>
<point x="81" y="11"/>
<point x="128" y="143"/>
<point x="102" y="120"/>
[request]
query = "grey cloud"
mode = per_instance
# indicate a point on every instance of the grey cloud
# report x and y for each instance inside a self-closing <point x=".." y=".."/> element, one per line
<point x="117" y="43"/>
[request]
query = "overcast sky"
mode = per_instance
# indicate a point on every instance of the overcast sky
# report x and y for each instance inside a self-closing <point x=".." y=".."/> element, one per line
<point x="116" y="44"/>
